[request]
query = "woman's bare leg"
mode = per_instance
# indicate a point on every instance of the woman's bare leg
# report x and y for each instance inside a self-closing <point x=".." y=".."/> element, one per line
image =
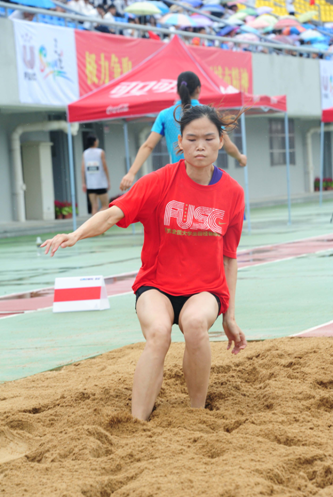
<point x="156" y="316"/>
<point x="197" y="316"/>
<point x="94" y="203"/>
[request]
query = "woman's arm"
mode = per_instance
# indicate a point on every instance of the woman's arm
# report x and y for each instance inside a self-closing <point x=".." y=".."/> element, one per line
<point x="83" y="176"/>
<point x="96" y="225"/>
<point x="232" y="150"/>
<point x="232" y="330"/>
<point x="105" y="167"/>
<point x="143" y="153"/>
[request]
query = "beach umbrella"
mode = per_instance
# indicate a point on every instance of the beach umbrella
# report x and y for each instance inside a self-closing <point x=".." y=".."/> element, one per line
<point x="258" y="24"/>
<point x="286" y="22"/>
<point x="201" y="21"/>
<point x="160" y="5"/>
<point x="307" y="16"/>
<point x="212" y="8"/>
<point x="143" y="9"/>
<point x="264" y="9"/>
<point x="43" y="4"/>
<point x="178" y="20"/>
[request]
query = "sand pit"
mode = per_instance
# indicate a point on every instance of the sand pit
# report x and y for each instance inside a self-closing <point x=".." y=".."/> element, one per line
<point x="267" y="429"/>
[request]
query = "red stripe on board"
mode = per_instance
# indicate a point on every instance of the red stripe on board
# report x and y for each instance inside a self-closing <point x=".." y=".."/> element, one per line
<point x="69" y="294"/>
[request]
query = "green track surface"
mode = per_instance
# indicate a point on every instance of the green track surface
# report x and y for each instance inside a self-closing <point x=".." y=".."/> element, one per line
<point x="273" y="300"/>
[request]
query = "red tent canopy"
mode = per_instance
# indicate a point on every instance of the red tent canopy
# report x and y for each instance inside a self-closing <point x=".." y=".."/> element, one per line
<point x="152" y="86"/>
<point x="327" y="115"/>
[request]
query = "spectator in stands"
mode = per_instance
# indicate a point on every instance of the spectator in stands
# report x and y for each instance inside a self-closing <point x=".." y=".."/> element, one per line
<point x="77" y="5"/>
<point x="134" y="33"/>
<point x="290" y="7"/>
<point x="24" y="16"/>
<point x="112" y="10"/>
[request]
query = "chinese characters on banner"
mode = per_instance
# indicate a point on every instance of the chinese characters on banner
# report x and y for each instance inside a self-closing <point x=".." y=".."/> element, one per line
<point x="235" y="68"/>
<point x="102" y="58"/>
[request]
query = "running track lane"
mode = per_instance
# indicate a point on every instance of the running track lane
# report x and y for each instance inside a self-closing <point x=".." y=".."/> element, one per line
<point x="267" y="254"/>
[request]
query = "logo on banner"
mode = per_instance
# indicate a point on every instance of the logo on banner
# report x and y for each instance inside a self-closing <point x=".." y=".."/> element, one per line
<point x="326" y="76"/>
<point x="28" y="56"/>
<point x="53" y="65"/>
<point x="117" y="108"/>
<point x="140" y="88"/>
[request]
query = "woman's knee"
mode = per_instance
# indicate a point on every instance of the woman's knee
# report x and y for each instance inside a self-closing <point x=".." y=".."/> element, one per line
<point x="195" y="331"/>
<point x="159" y="338"/>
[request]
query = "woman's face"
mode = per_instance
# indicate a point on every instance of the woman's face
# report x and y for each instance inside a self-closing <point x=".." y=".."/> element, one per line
<point x="200" y="142"/>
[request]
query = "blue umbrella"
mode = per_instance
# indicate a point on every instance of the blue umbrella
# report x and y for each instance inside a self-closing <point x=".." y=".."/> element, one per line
<point x="226" y="30"/>
<point x="321" y="46"/>
<point x="43" y="4"/>
<point x="194" y="3"/>
<point x="160" y="5"/>
<point x="212" y="8"/>
<point x="249" y="29"/>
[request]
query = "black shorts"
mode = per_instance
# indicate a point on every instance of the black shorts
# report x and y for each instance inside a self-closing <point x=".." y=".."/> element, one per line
<point x="98" y="191"/>
<point x="177" y="301"/>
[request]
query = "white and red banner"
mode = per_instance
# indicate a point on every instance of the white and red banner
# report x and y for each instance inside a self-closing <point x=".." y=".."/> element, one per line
<point x="46" y="63"/>
<point x="326" y="83"/>
<point x="87" y="293"/>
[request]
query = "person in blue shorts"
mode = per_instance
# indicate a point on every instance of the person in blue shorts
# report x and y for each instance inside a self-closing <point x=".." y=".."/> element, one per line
<point x="188" y="88"/>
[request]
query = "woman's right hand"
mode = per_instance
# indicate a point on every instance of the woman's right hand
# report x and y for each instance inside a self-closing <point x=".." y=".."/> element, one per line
<point x="127" y="181"/>
<point x="63" y="241"/>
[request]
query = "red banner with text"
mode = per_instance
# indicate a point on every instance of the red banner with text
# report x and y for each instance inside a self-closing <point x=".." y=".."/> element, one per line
<point x="104" y="57"/>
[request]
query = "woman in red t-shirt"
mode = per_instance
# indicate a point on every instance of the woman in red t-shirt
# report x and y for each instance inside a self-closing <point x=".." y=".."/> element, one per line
<point x="192" y="213"/>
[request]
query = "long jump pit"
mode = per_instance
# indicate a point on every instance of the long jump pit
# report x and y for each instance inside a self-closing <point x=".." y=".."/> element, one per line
<point x="267" y="429"/>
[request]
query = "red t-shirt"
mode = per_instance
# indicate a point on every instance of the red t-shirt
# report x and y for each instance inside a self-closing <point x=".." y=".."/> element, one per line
<point x="187" y="229"/>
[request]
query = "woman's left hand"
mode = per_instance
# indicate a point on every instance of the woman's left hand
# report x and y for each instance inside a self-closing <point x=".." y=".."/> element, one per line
<point x="234" y="334"/>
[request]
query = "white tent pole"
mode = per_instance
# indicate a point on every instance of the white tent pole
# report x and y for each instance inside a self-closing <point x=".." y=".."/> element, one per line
<point x="246" y="176"/>
<point x="127" y="155"/>
<point x="71" y="172"/>
<point x="322" y="135"/>
<point x="286" y="131"/>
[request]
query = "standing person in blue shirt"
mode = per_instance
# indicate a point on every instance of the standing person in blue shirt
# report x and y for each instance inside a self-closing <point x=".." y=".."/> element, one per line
<point x="188" y="88"/>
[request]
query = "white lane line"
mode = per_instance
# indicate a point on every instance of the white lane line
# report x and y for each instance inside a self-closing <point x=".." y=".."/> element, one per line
<point x="312" y="329"/>
<point x="283" y="259"/>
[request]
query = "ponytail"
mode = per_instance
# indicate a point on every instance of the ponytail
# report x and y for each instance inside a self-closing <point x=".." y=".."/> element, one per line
<point x="187" y="83"/>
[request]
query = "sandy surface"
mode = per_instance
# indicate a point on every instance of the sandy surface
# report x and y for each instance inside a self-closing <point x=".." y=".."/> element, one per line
<point x="267" y="429"/>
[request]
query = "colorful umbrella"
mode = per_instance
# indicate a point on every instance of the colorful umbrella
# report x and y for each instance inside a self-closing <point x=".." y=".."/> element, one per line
<point x="250" y="11"/>
<point x="269" y="29"/>
<point x="201" y="21"/>
<point x="226" y="30"/>
<point x="247" y="37"/>
<point x="160" y="5"/>
<point x="311" y="35"/>
<point x="178" y="20"/>
<point x="283" y="39"/>
<point x="212" y="8"/>
<point x="264" y="9"/>
<point x="238" y="16"/>
<point x="321" y="46"/>
<point x="307" y="16"/>
<point x="286" y="22"/>
<point x="193" y="3"/>
<point x="271" y="20"/>
<point x="258" y="24"/>
<point x="143" y="9"/>
<point x="248" y="29"/>
<point x="297" y="31"/>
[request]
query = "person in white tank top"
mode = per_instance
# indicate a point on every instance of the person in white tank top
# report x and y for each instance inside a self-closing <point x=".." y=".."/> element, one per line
<point x="95" y="175"/>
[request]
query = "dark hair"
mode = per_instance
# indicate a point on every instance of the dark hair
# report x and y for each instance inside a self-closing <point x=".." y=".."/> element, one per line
<point x="224" y="122"/>
<point x="187" y="83"/>
<point x="100" y="6"/>
<point x="91" y="140"/>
